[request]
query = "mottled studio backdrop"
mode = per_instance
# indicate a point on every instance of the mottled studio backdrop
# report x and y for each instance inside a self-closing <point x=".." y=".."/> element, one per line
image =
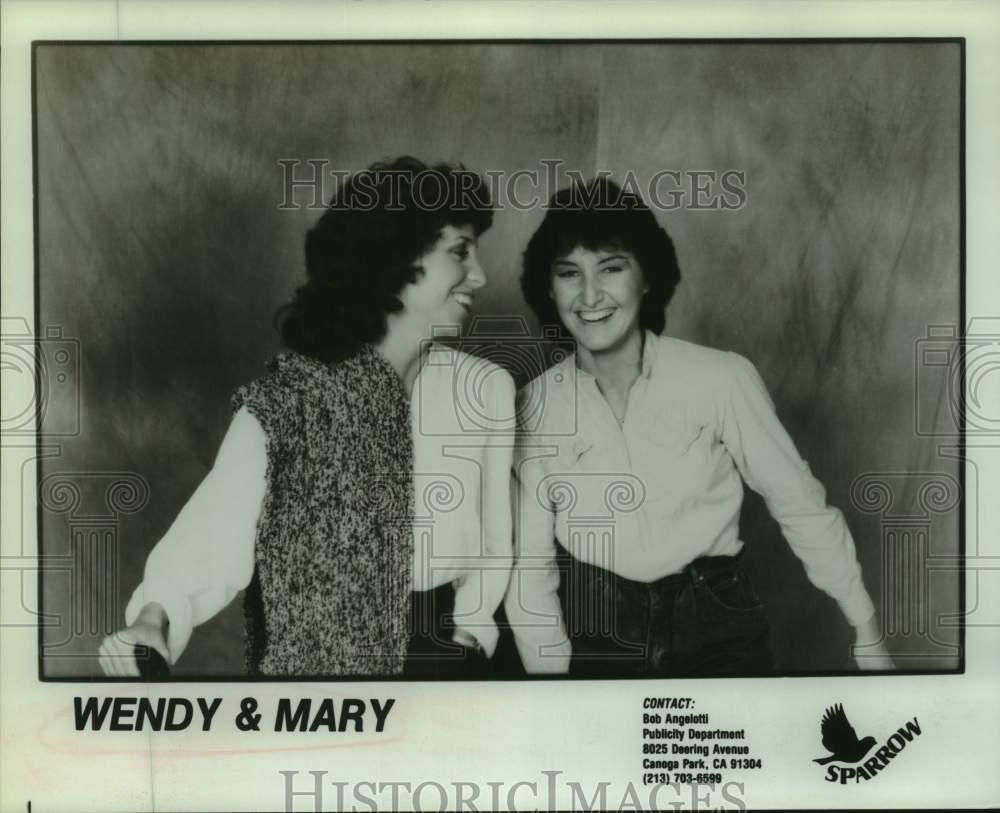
<point x="163" y="255"/>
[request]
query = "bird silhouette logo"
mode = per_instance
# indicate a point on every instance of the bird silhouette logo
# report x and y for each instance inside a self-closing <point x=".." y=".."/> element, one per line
<point x="840" y="739"/>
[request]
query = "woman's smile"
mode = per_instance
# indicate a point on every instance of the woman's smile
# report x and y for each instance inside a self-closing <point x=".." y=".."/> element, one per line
<point x="597" y="294"/>
<point x="463" y="298"/>
<point x="596" y="316"/>
<point x="450" y="274"/>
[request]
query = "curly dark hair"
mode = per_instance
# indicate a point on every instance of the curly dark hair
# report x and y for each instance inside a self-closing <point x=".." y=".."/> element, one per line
<point x="362" y="251"/>
<point x="599" y="215"/>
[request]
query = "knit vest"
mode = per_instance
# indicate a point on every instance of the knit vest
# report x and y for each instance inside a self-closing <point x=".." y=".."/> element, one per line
<point x="334" y="547"/>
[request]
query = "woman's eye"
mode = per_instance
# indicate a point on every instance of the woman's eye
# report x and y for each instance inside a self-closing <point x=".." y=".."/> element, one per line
<point x="613" y="269"/>
<point x="568" y="273"/>
<point x="461" y="253"/>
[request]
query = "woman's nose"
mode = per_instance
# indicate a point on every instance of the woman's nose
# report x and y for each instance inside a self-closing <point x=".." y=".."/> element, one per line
<point x="476" y="276"/>
<point x="591" y="291"/>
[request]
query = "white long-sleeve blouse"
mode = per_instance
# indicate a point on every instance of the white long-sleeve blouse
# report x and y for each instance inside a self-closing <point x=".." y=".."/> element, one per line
<point x="646" y="498"/>
<point x="462" y="414"/>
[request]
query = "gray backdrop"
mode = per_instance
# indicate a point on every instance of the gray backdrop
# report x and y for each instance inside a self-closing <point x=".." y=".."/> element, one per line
<point x="163" y="255"/>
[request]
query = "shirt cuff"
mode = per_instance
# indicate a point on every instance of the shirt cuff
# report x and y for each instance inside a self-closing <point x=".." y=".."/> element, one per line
<point x="178" y="617"/>
<point x="484" y="631"/>
<point x="471" y="615"/>
<point x="545" y="659"/>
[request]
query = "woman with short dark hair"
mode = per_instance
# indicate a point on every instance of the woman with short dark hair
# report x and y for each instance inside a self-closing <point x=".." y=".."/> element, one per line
<point x="632" y="455"/>
<point x="598" y="216"/>
<point x="324" y="502"/>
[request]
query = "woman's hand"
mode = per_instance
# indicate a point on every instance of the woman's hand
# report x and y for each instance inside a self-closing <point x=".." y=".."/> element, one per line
<point x="870" y="651"/>
<point x="117" y="655"/>
<point x="477" y="663"/>
<point x="468" y="640"/>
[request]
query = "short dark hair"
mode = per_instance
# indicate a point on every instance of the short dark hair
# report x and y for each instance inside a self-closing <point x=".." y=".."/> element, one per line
<point x="595" y="215"/>
<point x="362" y="251"/>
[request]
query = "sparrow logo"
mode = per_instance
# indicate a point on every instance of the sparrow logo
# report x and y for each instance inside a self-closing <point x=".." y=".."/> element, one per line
<point x="840" y="739"/>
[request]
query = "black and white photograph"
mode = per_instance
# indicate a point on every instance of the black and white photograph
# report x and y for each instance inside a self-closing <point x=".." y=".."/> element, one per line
<point x="383" y="395"/>
<point x="308" y="361"/>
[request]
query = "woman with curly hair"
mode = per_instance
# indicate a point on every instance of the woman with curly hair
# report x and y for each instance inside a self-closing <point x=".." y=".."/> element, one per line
<point x="325" y="501"/>
<point x="633" y="457"/>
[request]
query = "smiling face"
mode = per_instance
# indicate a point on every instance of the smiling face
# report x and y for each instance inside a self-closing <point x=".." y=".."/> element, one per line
<point x="450" y="275"/>
<point x="597" y="295"/>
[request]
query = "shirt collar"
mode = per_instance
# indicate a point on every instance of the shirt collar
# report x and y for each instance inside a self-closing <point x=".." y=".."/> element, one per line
<point x="648" y="357"/>
<point x="648" y="353"/>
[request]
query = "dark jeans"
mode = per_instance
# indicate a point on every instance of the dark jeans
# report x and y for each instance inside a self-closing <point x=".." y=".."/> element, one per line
<point x="706" y="620"/>
<point x="431" y="653"/>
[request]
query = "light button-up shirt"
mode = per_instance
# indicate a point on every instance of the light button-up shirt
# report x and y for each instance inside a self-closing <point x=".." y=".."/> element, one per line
<point x="646" y="498"/>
